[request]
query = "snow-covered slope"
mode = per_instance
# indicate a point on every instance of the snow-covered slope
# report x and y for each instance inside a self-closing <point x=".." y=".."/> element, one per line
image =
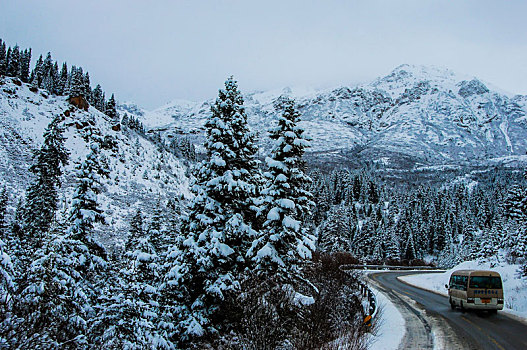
<point x="415" y="115"/>
<point x="140" y="173"/>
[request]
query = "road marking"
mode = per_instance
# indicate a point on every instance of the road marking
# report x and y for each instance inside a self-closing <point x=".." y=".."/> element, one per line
<point x="405" y="292"/>
<point x="481" y="330"/>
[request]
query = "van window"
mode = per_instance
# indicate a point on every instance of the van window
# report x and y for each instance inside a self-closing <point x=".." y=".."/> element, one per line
<point x="459" y="282"/>
<point x="486" y="282"/>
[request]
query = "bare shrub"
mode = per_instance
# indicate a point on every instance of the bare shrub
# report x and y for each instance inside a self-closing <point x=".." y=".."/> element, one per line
<point x="321" y="310"/>
<point x="337" y="314"/>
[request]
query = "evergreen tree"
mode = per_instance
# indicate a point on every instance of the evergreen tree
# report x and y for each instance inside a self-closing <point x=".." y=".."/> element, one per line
<point x="38" y="72"/>
<point x="3" y="58"/>
<point x="7" y="288"/>
<point x="54" y="306"/>
<point x="25" y="62"/>
<point x="336" y="231"/>
<point x="488" y="244"/>
<point x="516" y="203"/>
<point x="42" y="194"/>
<point x="47" y="65"/>
<point x="77" y="83"/>
<point x="61" y="287"/>
<point x="111" y="110"/>
<point x="63" y="80"/>
<point x="212" y="257"/>
<point x="409" y="248"/>
<point x="98" y="98"/>
<point x="3" y="213"/>
<point x="392" y="245"/>
<point x="130" y="319"/>
<point x="284" y="241"/>
<point x="87" y="88"/>
<point x="136" y="227"/>
<point x="49" y="82"/>
<point x="85" y="212"/>
<point x="13" y="63"/>
<point x="15" y="229"/>
<point x="159" y="237"/>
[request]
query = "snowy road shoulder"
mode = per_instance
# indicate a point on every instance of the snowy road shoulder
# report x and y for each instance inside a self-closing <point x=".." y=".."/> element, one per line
<point x="391" y="326"/>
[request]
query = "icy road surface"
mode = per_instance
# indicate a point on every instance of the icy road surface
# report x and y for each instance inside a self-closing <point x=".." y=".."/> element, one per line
<point x="431" y="324"/>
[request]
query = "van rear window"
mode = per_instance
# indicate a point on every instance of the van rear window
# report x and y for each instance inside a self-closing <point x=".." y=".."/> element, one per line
<point x="487" y="282"/>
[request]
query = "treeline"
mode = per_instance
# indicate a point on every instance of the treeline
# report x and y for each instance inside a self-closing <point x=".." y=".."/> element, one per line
<point x="47" y="75"/>
<point x="448" y="224"/>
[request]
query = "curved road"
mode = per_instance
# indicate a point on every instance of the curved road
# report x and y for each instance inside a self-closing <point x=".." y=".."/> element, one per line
<point x="426" y="311"/>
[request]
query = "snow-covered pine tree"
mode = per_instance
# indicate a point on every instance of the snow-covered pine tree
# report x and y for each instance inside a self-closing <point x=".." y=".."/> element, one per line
<point x="130" y="318"/>
<point x="87" y="88"/>
<point x="136" y="227"/>
<point x="77" y="83"/>
<point x="84" y="209"/>
<point x="49" y="82"/>
<point x="38" y="71"/>
<point x="515" y="203"/>
<point x="4" y="199"/>
<point x="59" y="290"/>
<point x="47" y="66"/>
<point x="111" y="109"/>
<point x="98" y="98"/>
<point x="53" y="306"/>
<point x="7" y="287"/>
<point x="13" y="63"/>
<point x="488" y="243"/>
<point x="25" y="62"/>
<point x="160" y="238"/>
<point x="218" y="229"/>
<point x="15" y="231"/>
<point x="409" y="248"/>
<point x="42" y="194"/>
<point x="3" y="58"/>
<point x="284" y="242"/>
<point x="63" y="80"/>
<point x="393" y="251"/>
<point x="335" y="232"/>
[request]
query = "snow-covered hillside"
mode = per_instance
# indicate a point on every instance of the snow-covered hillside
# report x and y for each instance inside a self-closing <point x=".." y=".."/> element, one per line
<point x="416" y="115"/>
<point x="140" y="172"/>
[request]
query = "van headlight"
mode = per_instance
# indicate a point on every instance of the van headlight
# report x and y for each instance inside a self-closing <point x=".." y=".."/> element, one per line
<point x="500" y="301"/>
<point x="470" y="300"/>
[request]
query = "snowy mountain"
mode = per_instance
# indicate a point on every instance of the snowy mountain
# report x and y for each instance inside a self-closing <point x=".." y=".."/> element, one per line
<point x="140" y="172"/>
<point x="415" y="115"/>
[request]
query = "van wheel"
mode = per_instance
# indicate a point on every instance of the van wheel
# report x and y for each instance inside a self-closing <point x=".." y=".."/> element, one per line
<point x="493" y="312"/>
<point x="452" y="305"/>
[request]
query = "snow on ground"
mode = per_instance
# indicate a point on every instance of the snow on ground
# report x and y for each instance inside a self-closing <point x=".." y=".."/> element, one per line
<point x="391" y="326"/>
<point x="515" y="289"/>
<point x="140" y="173"/>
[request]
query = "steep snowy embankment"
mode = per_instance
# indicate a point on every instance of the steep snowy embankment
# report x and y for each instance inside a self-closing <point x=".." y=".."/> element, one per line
<point x="140" y="172"/>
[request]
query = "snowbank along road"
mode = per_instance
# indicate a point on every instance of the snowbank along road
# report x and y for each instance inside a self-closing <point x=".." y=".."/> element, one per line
<point x="431" y="324"/>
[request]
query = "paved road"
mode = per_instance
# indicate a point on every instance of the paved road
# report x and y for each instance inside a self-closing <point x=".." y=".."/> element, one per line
<point x="425" y="311"/>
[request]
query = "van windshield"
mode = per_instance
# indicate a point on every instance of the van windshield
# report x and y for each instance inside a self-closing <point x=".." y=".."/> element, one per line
<point x="485" y="282"/>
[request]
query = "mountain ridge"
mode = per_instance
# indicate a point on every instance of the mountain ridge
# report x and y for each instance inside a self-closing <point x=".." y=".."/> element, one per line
<point x="423" y="115"/>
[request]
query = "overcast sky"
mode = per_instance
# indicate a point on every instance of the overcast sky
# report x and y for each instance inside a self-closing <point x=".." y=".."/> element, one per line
<point x="155" y="51"/>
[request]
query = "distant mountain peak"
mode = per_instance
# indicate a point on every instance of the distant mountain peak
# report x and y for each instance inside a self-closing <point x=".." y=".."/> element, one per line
<point x="414" y="115"/>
